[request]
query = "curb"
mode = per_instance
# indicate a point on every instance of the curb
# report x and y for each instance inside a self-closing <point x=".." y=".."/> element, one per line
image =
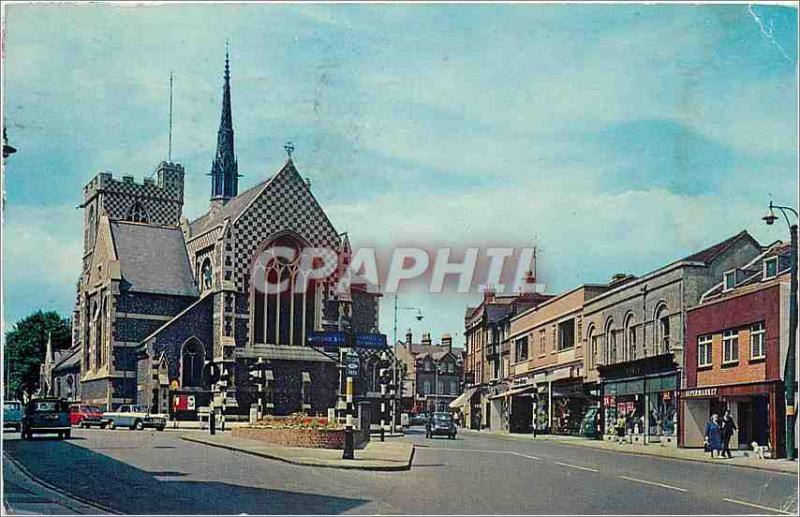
<point x="637" y="453"/>
<point x="384" y="468"/>
<point x="18" y="464"/>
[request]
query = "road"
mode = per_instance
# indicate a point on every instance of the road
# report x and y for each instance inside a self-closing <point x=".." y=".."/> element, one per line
<point x="152" y="472"/>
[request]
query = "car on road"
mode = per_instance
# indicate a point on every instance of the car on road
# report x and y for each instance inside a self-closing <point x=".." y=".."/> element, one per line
<point x="86" y="416"/>
<point x="441" y="424"/>
<point x="418" y="419"/>
<point x="135" y="417"/>
<point x="46" y="415"/>
<point x="12" y="414"/>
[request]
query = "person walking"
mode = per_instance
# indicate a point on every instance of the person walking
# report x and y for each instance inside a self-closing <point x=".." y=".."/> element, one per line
<point x="728" y="428"/>
<point x="620" y="425"/>
<point x="598" y="426"/>
<point x="713" y="435"/>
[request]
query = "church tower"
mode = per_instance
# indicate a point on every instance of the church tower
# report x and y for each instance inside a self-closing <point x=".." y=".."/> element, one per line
<point x="224" y="170"/>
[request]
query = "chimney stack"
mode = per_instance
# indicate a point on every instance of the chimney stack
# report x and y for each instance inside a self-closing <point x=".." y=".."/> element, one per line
<point x="488" y="295"/>
<point x="408" y="336"/>
<point x="426" y="339"/>
<point x="448" y="342"/>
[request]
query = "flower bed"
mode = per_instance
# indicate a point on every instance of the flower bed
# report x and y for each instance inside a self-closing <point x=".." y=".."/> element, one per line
<point x="298" y="430"/>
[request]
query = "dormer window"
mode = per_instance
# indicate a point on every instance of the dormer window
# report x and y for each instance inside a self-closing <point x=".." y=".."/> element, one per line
<point x="729" y="280"/>
<point x="770" y="268"/>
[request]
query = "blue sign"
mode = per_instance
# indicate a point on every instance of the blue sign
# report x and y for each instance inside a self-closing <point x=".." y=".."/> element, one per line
<point x="329" y="339"/>
<point x="370" y="341"/>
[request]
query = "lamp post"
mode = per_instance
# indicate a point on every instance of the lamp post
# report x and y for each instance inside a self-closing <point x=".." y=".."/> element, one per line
<point x="419" y="317"/>
<point x="789" y="369"/>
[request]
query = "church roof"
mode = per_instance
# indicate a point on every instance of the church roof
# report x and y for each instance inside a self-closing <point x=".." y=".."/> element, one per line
<point x="153" y="259"/>
<point x="232" y="210"/>
<point x="69" y="359"/>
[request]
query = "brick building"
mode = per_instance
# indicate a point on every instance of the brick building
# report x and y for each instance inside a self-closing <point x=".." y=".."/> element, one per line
<point x="635" y="336"/>
<point x="161" y="296"/>
<point x="433" y="373"/>
<point x="736" y="344"/>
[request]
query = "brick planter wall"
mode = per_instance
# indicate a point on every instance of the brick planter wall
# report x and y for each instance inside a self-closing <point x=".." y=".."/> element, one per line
<point x="311" y="438"/>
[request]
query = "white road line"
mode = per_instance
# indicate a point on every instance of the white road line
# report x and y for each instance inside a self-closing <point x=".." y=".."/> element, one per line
<point x="450" y="449"/>
<point x="574" y="466"/>
<point x="662" y="485"/>
<point x="753" y="505"/>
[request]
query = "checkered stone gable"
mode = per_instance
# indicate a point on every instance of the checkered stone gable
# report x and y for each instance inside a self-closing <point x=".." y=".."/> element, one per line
<point x="286" y="204"/>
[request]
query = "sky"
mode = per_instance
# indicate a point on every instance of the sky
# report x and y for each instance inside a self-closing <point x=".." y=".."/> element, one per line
<point x="617" y="137"/>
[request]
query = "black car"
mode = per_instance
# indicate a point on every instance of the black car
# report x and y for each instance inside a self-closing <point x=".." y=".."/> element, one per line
<point x="440" y="424"/>
<point x="46" y="415"/>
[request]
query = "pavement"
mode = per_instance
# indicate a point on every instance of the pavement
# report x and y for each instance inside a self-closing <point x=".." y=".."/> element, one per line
<point x="740" y="458"/>
<point x="149" y="472"/>
<point x="391" y="455"/>
<point x="25" y="495"/>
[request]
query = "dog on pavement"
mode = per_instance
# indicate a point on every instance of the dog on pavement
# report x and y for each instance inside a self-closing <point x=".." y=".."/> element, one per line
<point x="761" y="451"/>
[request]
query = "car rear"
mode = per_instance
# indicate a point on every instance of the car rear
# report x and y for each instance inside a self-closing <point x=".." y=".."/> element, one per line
<point x="12" y="414"/>
<point x="46" y="416"/>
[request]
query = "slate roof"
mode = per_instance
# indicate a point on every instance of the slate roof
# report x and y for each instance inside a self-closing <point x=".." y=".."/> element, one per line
<point x="709" y="254"/>
<point x="68" y="360"/>
<point x="752" y="274"/>
<point x="153" y="259"/>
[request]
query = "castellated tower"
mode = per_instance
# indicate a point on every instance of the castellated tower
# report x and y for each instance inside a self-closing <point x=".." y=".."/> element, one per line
<point x="156" y="201"/>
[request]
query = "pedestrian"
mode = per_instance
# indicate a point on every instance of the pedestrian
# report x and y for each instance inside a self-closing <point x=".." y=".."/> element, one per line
<point x="713" y="435"/>
<point x="620" y="425"/>
<point x="598" y="426"/>
<point x="728" y="428"/>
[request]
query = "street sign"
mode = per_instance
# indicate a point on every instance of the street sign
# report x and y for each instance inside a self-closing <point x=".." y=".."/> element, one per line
<point x="329" y="339"/>
<point x="370" y="341"/>
<point x="352" y="364"/>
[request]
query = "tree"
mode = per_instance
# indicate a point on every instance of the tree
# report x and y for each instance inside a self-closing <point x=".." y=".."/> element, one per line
<point x="25" y="347"/>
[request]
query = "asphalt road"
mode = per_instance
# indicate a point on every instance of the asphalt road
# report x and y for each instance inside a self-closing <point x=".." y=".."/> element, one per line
<point x="152" y="472"/>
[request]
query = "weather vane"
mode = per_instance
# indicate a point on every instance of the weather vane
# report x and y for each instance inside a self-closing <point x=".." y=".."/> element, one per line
<point x="289" y="149"/>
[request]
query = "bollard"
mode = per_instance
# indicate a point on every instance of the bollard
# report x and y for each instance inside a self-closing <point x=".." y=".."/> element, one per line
<point x="212" y="422"/>
<point x="347" y="454"/>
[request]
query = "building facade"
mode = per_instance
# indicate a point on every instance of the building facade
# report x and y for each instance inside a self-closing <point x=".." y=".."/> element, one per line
<point x="547" y="366"/>
<point x="161" y="297"/>
<point x="635" y="334"/>
<point x="433" y="373"/>
<point x="736" y="345"/>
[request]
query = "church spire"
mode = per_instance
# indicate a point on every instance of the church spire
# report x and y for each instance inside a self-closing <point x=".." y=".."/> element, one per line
<point x="225" y="170"/>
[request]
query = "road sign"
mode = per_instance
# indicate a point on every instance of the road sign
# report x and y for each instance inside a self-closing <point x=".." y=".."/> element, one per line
<point x="329" y="339"/>
<point x="370" y="341"/>
<point x="352" y="364"/>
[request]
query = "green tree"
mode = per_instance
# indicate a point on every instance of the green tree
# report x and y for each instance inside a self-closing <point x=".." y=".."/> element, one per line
<point x="25" y="347"/>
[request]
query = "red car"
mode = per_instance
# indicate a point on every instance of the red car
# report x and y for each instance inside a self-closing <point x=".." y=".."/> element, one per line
<point x="85" y="416"/>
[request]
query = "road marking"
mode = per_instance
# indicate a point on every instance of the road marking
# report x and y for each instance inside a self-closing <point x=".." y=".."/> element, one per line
<point x="662" y="485"/>
<point x="574" y="466"/>
<point x="745" y="503"/>
<point x="451" y="449"/>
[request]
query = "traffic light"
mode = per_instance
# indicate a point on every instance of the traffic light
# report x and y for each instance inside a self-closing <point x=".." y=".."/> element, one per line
<point x="224" y="376"/>
<point x="211" y="372"/>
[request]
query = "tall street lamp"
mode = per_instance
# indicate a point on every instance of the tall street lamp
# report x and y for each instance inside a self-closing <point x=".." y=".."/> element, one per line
<point x="789" y="369"/>
<point x="397" y="387"/>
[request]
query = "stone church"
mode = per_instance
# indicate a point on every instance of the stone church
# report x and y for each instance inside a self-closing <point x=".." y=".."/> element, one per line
<point x="160" y="297"/>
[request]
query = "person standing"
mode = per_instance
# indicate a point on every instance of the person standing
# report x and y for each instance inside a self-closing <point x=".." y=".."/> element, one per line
<point x="728" y="428"/>
<point x="598" y="431"/>
<point x="620" y="425"/>
<point x="713" y="435"/>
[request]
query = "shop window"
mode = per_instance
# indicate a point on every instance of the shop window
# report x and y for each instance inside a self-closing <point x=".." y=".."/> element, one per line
<point x="770" y="268"/>
<point x="566" y="334"/>
<point x="703" y="351"/>
<point x="757" y="333"/>
<point x="521" y="349"/>
<point x="730" y="347"/>
<point x="729" y="280"/>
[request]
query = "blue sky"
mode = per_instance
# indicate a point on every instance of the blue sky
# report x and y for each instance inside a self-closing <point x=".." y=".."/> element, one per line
<point x="622" y="137"/>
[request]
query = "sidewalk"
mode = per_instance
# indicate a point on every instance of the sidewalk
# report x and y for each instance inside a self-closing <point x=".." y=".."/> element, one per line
<point x="194" y="424"/>
<point x="740" y="458"/>
<point x="25" y="495"/>
<point x="387" y="456"/>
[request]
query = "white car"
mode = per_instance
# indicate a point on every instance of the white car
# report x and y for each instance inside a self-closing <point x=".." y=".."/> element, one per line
<point x="135" y="417"/>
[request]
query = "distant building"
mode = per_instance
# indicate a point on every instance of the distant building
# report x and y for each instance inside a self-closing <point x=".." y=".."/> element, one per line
<point x="59" y="373"/>
<point x="736" y="344"/>
<point x="433" y="373"/>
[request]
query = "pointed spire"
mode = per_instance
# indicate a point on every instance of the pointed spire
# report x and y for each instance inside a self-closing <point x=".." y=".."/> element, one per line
<point x="225" y="170"/>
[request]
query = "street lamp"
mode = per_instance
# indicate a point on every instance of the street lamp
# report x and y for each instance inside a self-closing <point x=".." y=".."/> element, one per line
<point x="397" y="387"/>
<point x="789" y="369"/>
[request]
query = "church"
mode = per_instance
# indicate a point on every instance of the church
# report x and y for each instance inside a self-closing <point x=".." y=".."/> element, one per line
<point x="161" y="298"/>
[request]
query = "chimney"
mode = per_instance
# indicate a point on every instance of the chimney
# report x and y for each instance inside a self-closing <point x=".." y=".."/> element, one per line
<point x="426" y="339"/>
<point x="408" y="336"/>
<point x="447" y="341"/>
<point x="488" y="295"/>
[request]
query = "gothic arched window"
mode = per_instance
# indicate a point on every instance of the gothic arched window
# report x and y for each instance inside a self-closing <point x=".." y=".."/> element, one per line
<point x="192" y="358"/>
<point x="206" y="275"/>
<point x="284" y="299"/>
<point x="137" y="213"/>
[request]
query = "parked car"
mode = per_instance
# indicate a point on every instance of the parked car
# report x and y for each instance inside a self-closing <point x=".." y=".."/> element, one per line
<point x="419" y="419"/>
<point x="86" y="416"/>
<point x="135" y="417"/>
<point x="441" y="424"/>
<point x="12" y="414"/>
<point x="46" y="415"/>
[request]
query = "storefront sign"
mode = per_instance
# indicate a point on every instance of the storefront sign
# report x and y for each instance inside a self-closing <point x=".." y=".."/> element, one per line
<point x="609" y="401"/>
<point x="698" y="393"/>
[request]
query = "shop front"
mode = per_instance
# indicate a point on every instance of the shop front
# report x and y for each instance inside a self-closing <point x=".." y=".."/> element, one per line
<point x="644" y="393"/>
<point x="755" y="407"/>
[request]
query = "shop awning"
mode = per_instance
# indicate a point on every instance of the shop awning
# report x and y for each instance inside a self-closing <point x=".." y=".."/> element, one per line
<point x="516" y="391"/>
<point x="463" y="399"/>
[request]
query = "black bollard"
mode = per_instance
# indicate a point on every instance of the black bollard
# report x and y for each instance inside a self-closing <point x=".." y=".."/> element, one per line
<point x="212" y="422"/>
